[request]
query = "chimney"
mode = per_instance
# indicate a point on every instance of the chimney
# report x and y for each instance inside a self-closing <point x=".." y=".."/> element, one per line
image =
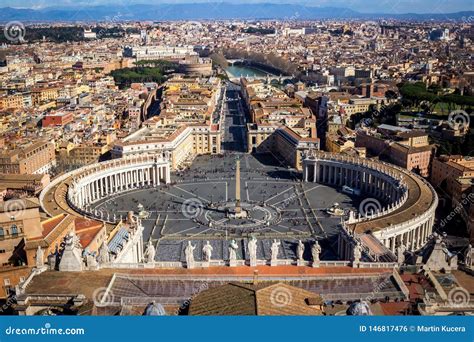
<point x="255" y="277"/>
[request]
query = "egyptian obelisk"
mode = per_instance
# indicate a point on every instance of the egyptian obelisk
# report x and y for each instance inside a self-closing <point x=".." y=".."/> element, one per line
<point x="237" y="186"/>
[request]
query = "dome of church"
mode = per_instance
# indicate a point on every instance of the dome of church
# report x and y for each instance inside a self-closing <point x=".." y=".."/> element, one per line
<point x="154" y="309"/>
<point x="359" y="309"/>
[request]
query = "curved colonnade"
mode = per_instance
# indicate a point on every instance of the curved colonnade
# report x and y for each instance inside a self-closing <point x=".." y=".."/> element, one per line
<point x="406" y="216"/>
<point x="92" y="183"/>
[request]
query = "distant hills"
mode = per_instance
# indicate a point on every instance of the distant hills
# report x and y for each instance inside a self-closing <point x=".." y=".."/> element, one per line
<point x="208" y="10"/>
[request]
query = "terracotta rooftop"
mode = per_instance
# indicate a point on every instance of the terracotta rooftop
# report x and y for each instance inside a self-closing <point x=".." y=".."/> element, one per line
<point x="53" y="282"/>
<point x="254" y="299"/>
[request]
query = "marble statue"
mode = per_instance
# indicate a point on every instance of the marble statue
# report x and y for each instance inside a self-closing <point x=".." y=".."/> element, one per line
<point x="357" y="253"/>
<point x="275" y="248"/>
<point x="401" y="253"/>
<point x="76" y="242"/>
<point x="352" y="217"/>
<point x="39" y="258"/>
<point x="252" y="247"/>
<point x="207" y="251"/>
<point x="315" y="252"/>
<point x="130" y="218"/>
<point x="233" y="252"/>
<point x="468" y="258"/>
<point x="189" y="254"/>
<point x="150" y="253"/>
<point x="300" y="250"/>
<point x="51" y="260"/>
<point x="91" y="261"/>
<point x="104" y="254"/>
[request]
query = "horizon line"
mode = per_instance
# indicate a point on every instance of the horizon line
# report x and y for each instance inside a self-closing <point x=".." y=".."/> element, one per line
<point x="72" y="6"/>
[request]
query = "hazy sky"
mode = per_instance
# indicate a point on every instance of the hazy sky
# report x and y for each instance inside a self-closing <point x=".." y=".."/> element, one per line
<point x="379" y="6"/>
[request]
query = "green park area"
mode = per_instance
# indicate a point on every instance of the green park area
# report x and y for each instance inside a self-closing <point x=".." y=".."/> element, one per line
<point x="432" y="100"/>
<point x="143" y="71"/>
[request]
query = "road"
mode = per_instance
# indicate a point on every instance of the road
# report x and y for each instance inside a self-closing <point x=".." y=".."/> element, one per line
<point x="235" y="131"/>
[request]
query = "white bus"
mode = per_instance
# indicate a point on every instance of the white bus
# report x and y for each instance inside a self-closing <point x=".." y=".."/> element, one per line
<point x="350" y="191"/>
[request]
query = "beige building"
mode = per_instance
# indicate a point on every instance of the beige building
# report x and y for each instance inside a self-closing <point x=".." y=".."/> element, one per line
<point x="11" y="102"/>
<point x="30" y="158"/>
<point x="181" y="144"/>
<point x="408" y="149"/>
<point x="184" y="127"/>
<point x="86" y="153"/>
<point x="19" y="220"/>
<point x="448" y="170"/>
<point x="44" y="95"/>
<point x="340" y="140"/>
<point x="279" y="125"/>
<point x="11" y="276"/>
<point x="30" y="184"/>
<point x="454" y="176"/>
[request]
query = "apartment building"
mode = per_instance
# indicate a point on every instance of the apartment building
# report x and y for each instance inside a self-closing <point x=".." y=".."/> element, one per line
<point x="19" y="219"/>
<point x="454" y="178"/>
<point x="409" y="149"/>
<point x="188" y="124"/>
<point x="28" y="158"/>
<point x="14" y="101"/>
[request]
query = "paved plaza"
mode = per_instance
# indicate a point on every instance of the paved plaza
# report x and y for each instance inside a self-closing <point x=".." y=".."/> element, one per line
<point x="177" y="212"/>
<point x="195" y="206"/>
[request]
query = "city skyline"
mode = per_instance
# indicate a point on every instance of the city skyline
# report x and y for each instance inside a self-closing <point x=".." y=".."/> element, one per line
<point x="370" y="6"/>
<point x="207" y="158"/>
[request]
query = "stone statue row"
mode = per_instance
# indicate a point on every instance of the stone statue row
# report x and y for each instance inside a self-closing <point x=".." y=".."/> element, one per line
<point x="73" y="257"/>
<point x="252" y="251"/>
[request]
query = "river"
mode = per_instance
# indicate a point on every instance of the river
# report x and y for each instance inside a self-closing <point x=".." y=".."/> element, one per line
<point x="236" y="71"/>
